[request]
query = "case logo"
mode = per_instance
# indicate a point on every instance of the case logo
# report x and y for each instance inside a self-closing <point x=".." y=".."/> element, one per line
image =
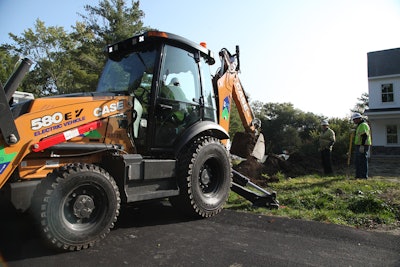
<point x="104" y="110"/>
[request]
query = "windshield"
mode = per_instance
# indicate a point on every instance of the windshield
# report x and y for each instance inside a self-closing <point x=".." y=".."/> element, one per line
<point x="129" y="73"/>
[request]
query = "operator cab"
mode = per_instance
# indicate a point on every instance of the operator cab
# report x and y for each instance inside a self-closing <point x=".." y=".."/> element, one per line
<point x="169" y="79"/>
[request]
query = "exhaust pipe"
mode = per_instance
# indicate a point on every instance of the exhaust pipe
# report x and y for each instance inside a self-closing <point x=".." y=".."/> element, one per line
<point x="13" y="82"/>
<point x="8" y="129"/>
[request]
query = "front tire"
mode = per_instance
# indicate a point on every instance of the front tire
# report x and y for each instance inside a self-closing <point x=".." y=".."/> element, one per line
<point x="76" y="206"/>
<point x="205" y="178"/>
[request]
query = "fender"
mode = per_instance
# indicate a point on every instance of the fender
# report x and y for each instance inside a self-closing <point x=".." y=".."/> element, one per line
<point x="209" y="127"/>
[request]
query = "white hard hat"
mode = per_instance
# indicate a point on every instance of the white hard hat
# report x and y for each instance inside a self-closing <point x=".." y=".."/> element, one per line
<point x="174" y="81"/>
<point x="356" y="116"/>
<point x="324" y="122"/>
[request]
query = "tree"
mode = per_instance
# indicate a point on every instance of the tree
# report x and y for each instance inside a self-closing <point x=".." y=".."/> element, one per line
<point x="108" y="22"/>
<point x="112" y="20"/>
<point x="7" y="64"/>
<point x="235" y="123"/>
<point x="286" y="127"/>
<point x="48" y="47"/>
<point x="342" y="129"/>
<point x="362" y="104"/>
<point x="72" y="62"/>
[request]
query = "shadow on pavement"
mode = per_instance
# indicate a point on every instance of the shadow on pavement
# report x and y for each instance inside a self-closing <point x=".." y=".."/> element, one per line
<point x="21" y="240"/>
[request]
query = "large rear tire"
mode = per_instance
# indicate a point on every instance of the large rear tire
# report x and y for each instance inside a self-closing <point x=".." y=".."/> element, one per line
<point x="204" y="178"/>
<point x="76" y="206"/>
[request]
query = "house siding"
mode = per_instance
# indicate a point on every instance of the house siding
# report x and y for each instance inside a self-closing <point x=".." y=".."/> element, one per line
<point x="384" y="68"/>
<point x="375" y="92"/>
<point x="378" y="129"/>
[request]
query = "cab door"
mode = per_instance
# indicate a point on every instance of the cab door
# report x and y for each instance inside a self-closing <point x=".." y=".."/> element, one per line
<point x="178" y="95"/>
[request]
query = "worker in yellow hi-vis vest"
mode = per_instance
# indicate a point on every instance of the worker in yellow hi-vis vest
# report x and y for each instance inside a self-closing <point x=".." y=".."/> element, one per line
<point x="362" y="142"/>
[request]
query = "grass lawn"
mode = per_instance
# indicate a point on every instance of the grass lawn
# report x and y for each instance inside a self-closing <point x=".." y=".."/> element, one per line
<point x="369" y="204"/>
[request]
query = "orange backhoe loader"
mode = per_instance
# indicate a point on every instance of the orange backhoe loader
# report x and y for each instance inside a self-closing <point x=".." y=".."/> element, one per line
<point x="155" y="128"/>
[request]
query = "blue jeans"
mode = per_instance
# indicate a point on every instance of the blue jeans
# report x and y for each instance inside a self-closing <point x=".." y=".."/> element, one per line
<point x="361" y="162"/>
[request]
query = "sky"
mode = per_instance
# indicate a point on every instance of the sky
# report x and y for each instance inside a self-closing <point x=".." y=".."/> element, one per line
<point x="311" y="53"/>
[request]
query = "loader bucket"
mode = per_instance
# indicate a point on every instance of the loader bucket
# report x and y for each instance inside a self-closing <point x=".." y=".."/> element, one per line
<point x="245" y="144"/>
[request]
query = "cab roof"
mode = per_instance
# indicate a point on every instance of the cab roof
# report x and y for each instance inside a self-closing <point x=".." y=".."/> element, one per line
<point x="157" y="36"/>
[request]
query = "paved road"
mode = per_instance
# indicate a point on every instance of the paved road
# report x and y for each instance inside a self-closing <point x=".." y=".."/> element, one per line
<point x="157" y="236"/>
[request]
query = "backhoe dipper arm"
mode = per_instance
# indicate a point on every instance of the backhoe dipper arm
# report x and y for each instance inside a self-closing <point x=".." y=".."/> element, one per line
<point x="229" y="86"/>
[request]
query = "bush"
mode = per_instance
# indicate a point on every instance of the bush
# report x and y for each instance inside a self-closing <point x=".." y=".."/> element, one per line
<point x="367" y="204"/>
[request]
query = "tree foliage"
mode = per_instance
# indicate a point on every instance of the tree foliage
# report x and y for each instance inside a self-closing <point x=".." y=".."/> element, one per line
<point x="235" y="123"/>
<point x="286" y="128"/>
<point x="49" y="48"/>
<point x="362" y="104"/>
<point x="7" y="64"/>
<point x="112" y="20"/>
<point x="108" y="22"/>
<point x="72" y="62"/>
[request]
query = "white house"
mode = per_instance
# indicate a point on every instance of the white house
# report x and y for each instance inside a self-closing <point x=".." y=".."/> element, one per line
<point x="384" y="101"/>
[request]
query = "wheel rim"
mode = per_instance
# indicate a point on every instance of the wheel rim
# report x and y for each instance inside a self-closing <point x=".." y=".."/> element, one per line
<point x="210" y="178"/>
<point x="84" y="207"/>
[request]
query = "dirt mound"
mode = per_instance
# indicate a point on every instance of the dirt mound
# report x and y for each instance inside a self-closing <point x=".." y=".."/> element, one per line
<point x="250" y="168"/>
<point x="264" y="173"/>
<point x="296" y="165"/>
<point x="258" y="173"/>
<point x="243" y="144"/>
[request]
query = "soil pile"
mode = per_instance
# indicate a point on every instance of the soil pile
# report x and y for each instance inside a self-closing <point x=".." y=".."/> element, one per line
<point x="261" y="173"/>
<point x="264" y="173"/>
<point x="243" y="144"/>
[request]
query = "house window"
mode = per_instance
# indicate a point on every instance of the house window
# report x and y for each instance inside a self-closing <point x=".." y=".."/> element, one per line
<point x="387" y="92"/>
<point x="391" y="134"/>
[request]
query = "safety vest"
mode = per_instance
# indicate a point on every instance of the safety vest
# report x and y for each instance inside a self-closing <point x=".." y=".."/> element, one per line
<point x="362" y="128"/>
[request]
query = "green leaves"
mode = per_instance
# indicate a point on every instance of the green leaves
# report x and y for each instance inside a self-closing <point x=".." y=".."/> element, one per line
<point x="69" y="62"/>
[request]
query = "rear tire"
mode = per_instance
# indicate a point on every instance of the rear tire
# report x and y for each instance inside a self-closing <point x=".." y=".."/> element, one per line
<point x="76" y="206"/>
<point x="204" y="178"/>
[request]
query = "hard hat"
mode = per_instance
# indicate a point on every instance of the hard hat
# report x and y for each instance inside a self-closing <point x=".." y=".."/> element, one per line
<point x="175" y="81"/>
<point x="324" y="122"/>
<point x="356" y="116"/>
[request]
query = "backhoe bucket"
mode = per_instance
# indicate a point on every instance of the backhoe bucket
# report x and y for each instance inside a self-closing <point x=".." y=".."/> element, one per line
<point x="248" y="144"/>
<point x="259" y="148"/>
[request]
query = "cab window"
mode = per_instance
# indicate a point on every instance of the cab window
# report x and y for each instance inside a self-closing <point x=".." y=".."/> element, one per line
<point x="178" y="95"/>
<point x="210" y="112"/>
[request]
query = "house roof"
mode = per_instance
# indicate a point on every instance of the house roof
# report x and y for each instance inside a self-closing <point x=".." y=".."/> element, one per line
<point x="384" y="62"/>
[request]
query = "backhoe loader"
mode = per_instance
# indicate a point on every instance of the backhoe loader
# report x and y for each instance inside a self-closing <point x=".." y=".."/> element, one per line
<point x="155" y="128"/>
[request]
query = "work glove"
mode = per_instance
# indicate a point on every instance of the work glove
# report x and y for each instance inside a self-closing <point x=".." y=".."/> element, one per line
<point x="361" y="149"/>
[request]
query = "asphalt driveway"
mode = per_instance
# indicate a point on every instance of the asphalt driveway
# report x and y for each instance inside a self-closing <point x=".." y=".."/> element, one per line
<point x="155" y="235"/>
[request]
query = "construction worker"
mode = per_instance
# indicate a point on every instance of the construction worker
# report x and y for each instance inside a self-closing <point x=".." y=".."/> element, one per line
<point x="326" y="141"/>
<point x="362" y="142"/>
